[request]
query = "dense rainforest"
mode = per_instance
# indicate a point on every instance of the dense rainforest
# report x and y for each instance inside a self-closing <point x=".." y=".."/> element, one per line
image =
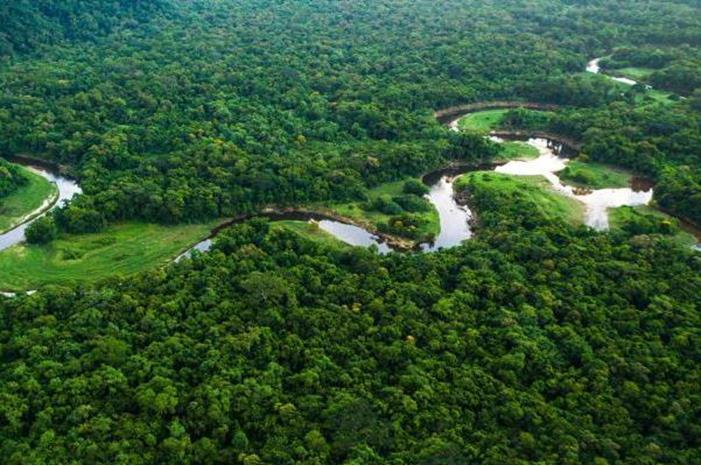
<point x="536" y="341"/>
<point x="28" y="25"/>
<point x="218" y="108"/>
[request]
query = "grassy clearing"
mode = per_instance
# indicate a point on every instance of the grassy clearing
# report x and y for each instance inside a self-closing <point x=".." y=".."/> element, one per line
<point x="516" y="150"/>
<point x="429" y="221"/>
<point x="594" y="175"/>
<point x="483" y="122"/>
<point x="25" y="200"/>
<point x="121" y="249"/>
<point x="534" y="190"/>
<point x="656" y="96"/>
<point x="622" y="218"/>
<point x="635" y="73"/>
<point x="309" y="231"/>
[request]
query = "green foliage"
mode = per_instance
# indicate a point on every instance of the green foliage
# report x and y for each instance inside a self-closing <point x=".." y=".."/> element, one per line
<point x="405" y="224"/>
<point x="385" y="205"/>
<point x="415" y="187"/>
<point x="672" y="68"/>
<point x="540" y="341"/>
<point x="471" y="147"/>
<point x="635" y="222"/>
<point x="682" y="78"/>
<point x="516" y="150"/>
<point x="42" y="230"/>
<point x="389" y="201"/>
<point x="522" y="118"/>
<point x="657" y="141"/>
<point x="12" y="177"/>
<point x="679" y="190"/>
<point x="26" y="25"/>
<point x="501" y="350"/>
<point x="530" y="200"/>
<point x="413" y="203"/>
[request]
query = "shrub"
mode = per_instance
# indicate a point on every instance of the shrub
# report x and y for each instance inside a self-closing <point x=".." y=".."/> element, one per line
<point x="415" y="187"/>
<point x="41" y="231"/>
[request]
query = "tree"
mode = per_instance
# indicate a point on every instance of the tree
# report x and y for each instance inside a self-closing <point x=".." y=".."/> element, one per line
<point x="42" y="230"/>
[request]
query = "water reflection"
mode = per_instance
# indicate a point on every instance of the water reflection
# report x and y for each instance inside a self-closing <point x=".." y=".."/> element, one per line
<point x="454" y="217"/>
<point x="353" y="235"/>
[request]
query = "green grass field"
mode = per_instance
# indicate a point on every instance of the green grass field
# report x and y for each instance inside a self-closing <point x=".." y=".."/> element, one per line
<point x="516" y="150"/>
<point x="25" y="200"/>
<point x="483" y="122"/>
<point x="635" y="73"/>
<point x="535" y="190"/>
<point x="309" y="231"/>
<point x="656" y="96"/>
<point x="430" y="222"/>
<point x="121" y="249"/>
<point x="621" y="216"/>
<point x="594" y="175"/>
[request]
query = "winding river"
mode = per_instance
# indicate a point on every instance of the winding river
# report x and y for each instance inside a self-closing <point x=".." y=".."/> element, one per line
<point x="455" y="218"/>
<point x="593" y="67"/>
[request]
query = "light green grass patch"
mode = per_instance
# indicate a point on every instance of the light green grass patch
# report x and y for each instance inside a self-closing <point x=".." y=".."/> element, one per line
<point x="635" y="73"/>
<point x="535" y="190"/>
<point x="594" y="175"/>
<point x="655" y="96"/>
<point x="310" y="231"/>
<point x="25" y="200"/>
<point x="120" y="249"/>
<point x="483" y="122"/>
<point x="516" y="150"/>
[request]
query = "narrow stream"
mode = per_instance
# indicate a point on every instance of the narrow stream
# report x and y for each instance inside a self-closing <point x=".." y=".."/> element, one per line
<point x="454" y="217"/>
<point x="593" y="67"/>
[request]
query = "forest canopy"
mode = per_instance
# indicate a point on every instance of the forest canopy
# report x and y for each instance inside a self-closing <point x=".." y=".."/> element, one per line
<point x="536" y="341"/>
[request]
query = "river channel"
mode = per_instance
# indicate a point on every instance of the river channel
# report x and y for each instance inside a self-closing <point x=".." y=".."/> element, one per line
<point x="455" y="218"/>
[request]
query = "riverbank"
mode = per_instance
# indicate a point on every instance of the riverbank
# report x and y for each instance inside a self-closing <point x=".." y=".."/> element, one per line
<point x="571" y="146"/>
<point x="27" y="202"/>
<point x="120" y="249"/>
